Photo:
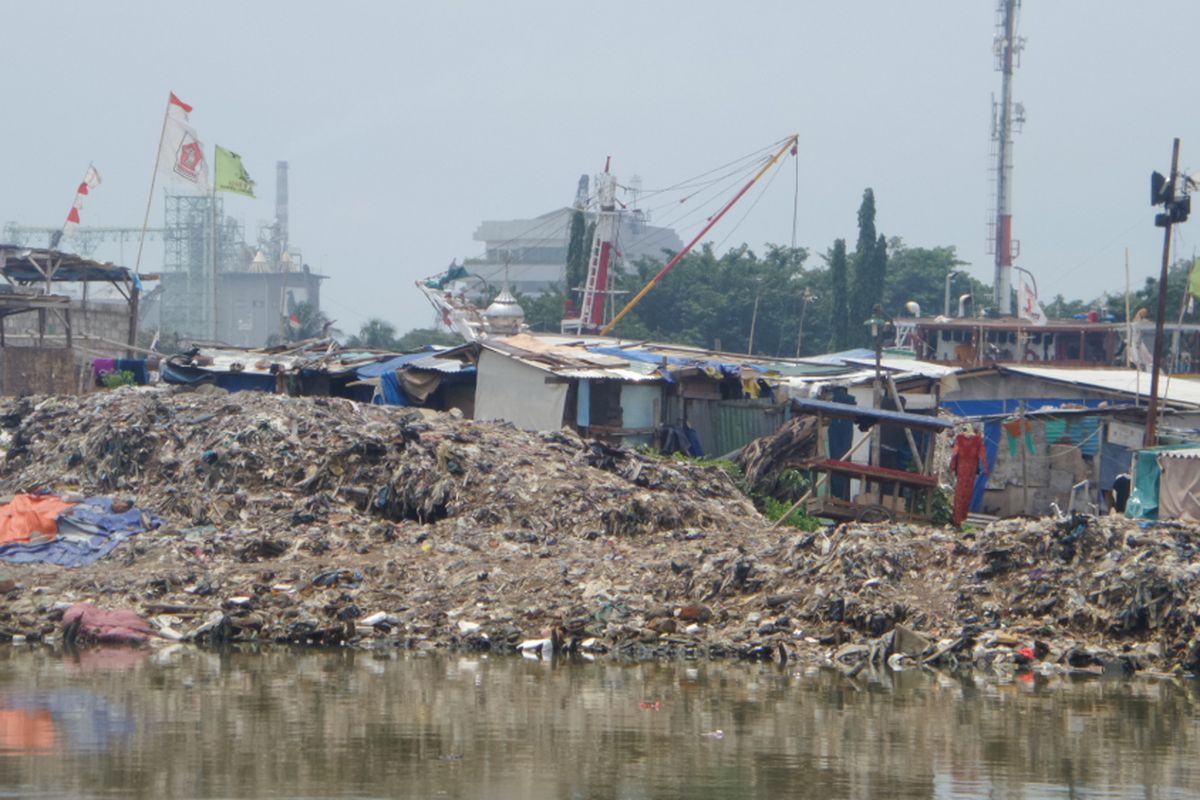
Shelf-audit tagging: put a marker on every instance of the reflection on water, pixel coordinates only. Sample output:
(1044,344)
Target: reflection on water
(188,723)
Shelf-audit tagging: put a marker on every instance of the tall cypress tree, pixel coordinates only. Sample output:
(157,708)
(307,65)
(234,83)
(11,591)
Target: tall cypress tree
(878,272)
(839,315)
(862,291)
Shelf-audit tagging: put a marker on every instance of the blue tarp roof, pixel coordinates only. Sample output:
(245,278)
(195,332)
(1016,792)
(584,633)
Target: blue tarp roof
(875,415)
(391,365)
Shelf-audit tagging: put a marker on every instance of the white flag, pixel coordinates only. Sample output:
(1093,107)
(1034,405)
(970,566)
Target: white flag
(1028,306)
(182,154)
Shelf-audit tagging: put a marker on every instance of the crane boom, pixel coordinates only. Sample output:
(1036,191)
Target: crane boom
(790,144)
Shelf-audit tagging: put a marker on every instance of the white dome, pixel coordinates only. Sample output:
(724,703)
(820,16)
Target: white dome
(504,315)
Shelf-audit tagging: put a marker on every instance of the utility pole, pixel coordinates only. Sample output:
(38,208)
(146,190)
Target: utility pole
(1162,191)
(754,315)
(805,299)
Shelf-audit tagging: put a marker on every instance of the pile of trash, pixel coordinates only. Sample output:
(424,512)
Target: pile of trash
(323,521)
(200,458)
(1093,593)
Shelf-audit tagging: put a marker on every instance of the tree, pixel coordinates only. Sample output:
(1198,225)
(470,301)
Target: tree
(863,295)
(1147,296)
(375,334)
(840,311)
(308,322)
(419,338)
(919,274)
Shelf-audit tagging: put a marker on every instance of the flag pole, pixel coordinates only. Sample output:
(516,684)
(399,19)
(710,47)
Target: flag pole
(153,176)
(214,246)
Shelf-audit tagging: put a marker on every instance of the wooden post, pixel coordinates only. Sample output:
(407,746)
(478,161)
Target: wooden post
(817,484)
(1024,462)
(912,443)
(133,319)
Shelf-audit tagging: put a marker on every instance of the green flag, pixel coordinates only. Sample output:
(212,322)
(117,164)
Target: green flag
(1194,280)
(231,175)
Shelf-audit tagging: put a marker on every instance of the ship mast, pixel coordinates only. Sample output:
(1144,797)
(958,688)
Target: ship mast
(595,287)
(1006,118)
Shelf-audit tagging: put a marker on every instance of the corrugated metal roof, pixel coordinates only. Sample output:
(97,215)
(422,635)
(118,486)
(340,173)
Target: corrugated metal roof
(1125,381)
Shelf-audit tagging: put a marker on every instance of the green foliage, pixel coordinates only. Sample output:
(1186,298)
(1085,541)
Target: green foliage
(544,312)
(374,334)
(775,509)
(313,324)
(707,298)
(919,274)
(417,338)
(1147,296)
(791,485)
(866,286)
(114,379)
(839,280)
(578,249)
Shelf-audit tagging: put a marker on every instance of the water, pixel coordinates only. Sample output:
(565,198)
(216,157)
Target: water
(293,724)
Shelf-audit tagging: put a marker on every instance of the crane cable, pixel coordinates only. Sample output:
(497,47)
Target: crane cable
(790,144)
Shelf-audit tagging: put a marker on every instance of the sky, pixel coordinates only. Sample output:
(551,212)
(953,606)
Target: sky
(406,124)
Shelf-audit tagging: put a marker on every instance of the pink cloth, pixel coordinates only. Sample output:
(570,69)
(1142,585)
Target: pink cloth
(103,366)
(117,626)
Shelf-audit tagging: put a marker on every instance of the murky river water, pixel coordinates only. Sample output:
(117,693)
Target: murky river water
(286,724)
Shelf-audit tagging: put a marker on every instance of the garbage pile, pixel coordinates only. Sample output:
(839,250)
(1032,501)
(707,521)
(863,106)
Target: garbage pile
(221,459)
(322,521)
(1080,593)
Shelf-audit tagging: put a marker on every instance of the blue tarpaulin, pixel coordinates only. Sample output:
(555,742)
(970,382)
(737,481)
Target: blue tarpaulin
(86,533)
(379,368)
(393,393)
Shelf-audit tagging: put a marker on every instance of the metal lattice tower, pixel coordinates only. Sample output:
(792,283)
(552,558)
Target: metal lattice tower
(83,240)
(1007,118)
(188,263)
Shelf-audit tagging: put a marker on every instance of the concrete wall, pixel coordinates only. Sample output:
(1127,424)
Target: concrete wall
(1018,387)
(37,370)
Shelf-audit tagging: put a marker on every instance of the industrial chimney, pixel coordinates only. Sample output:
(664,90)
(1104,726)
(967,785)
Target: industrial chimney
(281,209)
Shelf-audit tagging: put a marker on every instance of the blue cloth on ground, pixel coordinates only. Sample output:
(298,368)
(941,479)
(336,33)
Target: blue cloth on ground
(86,533)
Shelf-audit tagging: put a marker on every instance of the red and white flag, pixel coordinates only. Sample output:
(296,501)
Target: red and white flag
(175,102)
(91,179)
(1028,307)
(181,152)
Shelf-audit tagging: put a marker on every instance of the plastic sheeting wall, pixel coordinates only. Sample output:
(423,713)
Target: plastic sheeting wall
(508,390)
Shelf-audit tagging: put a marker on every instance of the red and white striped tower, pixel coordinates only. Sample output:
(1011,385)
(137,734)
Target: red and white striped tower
(595,288)
(1007,48)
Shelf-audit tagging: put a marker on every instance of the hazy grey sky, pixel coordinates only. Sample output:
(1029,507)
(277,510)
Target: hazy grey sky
(406,124)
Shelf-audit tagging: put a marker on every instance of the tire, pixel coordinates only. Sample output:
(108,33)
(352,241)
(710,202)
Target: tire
(874,514)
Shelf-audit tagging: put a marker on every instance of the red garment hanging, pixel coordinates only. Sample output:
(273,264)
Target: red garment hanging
(970,458)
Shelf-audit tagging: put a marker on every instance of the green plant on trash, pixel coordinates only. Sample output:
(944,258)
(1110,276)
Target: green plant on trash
(112,380)
(942,510)
(774,510)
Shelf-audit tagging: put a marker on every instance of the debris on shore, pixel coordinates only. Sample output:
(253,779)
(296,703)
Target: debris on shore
(322,521)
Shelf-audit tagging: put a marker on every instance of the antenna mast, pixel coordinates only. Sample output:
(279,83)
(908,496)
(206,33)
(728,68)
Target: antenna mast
(1006,119)
(595,289)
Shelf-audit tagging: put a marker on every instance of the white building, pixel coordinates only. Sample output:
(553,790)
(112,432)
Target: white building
(535,250)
